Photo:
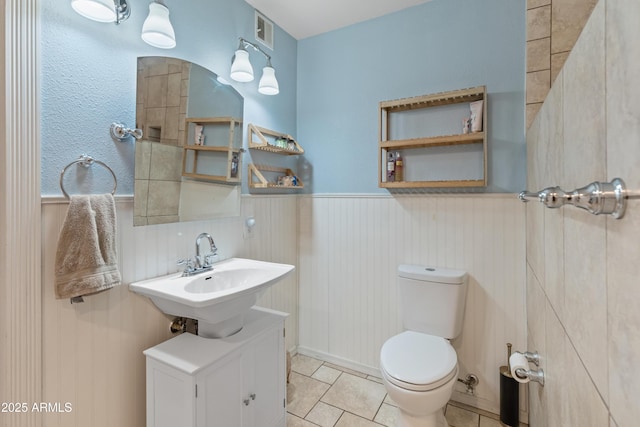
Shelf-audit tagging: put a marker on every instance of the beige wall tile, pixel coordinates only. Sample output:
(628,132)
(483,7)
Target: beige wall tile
(539,54)
(174,87)
(551,135)
(164,198)
(141,191)
(557,62)
(538,23)
(156,91)
(166,162)
(584,100)
(533,140)
(532,112)
(162,219)
(140,116)
(585,296)
(142,159)
(623,90)
(623,270)
(538,84)
(171,123)
(156,66)
(585,292)
(537,3)
(568,19)
(536,303)
(582,405)
(623,152)
(553,363)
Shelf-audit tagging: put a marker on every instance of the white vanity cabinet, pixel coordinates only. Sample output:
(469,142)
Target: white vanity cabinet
(220,382)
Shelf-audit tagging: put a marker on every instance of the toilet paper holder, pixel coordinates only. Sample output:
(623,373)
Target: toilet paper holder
(536,375)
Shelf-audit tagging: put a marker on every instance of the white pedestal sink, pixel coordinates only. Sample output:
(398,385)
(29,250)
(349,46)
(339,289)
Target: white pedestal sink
(218,299)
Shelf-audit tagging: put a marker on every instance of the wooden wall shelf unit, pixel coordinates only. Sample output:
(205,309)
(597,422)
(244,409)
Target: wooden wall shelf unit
(262,182)
(264,144)
(386,144)
(233,154)
(263,139)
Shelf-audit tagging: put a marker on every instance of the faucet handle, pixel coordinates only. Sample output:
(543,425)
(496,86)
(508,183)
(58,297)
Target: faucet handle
(209,259)
(187,262)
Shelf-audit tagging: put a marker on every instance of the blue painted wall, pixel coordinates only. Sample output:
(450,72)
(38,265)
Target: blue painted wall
(439,46)
(89,80)
(330,85)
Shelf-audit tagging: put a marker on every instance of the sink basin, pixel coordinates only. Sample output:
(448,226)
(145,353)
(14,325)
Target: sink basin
(218,299)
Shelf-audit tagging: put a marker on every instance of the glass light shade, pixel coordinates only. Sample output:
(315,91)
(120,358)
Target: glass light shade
(157,30)
(268,83)
(241,70)
(96,10)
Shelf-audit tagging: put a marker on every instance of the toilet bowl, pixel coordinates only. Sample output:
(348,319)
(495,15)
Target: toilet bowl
(419,366)
(419,372)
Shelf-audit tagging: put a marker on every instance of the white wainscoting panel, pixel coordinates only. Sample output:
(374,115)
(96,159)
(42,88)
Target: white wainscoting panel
(350,248)
(92,352)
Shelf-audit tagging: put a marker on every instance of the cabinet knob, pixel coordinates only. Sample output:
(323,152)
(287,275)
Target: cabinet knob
(252,396)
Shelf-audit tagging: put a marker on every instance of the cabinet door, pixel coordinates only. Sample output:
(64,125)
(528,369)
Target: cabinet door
(269,378)
(170,396)
(220,394)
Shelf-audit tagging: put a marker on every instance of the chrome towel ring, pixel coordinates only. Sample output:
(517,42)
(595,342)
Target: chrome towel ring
(87,161)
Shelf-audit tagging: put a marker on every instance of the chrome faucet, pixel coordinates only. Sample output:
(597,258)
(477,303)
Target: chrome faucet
(200,263)
(203,261)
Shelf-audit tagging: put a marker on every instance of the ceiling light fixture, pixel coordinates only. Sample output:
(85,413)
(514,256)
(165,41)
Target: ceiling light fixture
(242,71)
(157,30)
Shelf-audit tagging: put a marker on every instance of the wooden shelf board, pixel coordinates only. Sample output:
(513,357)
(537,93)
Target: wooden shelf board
(217,178)
(435,141)
(213,120)
(209,148)
(442,98)
(434,184)
(274,149)
(271,185)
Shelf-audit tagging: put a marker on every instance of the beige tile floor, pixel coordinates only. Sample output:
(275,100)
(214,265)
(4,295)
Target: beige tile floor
(327,395)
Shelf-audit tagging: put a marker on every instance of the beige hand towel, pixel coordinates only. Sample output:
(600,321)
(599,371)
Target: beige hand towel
(86,258)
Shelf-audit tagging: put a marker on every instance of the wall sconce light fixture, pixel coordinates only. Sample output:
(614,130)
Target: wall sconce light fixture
(157,30)
(242,71)
(102,10)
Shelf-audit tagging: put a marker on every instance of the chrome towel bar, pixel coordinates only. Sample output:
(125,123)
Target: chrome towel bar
(609,198)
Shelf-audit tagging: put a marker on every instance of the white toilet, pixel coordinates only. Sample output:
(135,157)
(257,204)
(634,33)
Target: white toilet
(419,366)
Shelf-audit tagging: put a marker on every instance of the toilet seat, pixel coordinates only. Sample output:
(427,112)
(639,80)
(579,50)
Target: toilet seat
(418,362)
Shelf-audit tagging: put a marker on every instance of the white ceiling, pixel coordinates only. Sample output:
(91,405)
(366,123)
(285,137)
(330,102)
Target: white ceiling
(306,18)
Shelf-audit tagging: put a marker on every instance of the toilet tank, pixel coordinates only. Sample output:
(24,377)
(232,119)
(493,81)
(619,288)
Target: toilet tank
(432,299)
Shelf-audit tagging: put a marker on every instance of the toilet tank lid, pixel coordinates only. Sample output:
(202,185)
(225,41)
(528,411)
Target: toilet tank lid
(432,274)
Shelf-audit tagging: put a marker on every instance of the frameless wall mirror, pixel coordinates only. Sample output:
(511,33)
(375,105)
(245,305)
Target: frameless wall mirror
(191,123)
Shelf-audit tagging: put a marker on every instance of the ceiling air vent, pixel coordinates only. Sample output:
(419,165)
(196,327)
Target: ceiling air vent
(264,30)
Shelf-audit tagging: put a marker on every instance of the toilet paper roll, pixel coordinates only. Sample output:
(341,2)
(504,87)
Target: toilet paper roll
(518,361)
